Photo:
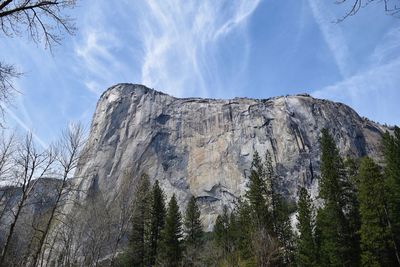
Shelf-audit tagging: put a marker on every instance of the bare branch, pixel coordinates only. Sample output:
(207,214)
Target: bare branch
(391,7)
(7,89)
(42,21)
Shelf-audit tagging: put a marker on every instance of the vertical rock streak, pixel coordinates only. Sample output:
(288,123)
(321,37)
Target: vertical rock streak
(204,147)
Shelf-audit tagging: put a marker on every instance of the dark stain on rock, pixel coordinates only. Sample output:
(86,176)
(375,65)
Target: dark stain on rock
(162,119)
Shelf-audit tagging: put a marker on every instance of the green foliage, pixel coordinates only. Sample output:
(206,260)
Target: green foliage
(157,220)
(337,240)
(283,228)
(269,212)
(258,230)
(352,207)
(232,236)
(257,193)
(332,171)
(170,252)
(221,232)
(193,233)
(139,237)
(328,236)
(375,236)
(280,209)
(242,230)
(192,224)
(123,260)
(306,250)
(391,151)
(359,203)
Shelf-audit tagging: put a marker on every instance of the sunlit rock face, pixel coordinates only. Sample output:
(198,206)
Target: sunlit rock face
(204,147)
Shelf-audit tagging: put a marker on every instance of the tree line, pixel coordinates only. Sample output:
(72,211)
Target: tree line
(36,182)
(358,223)
(355,220)
(160,235)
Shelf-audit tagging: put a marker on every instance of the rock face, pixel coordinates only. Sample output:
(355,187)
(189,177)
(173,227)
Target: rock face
(37,205)
(204,147)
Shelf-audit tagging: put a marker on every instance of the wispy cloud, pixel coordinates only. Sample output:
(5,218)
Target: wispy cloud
(96,53)
(371,90)
(181,42)
(98,44)
(24,126)
(388,49)
(332,34)
(173,44)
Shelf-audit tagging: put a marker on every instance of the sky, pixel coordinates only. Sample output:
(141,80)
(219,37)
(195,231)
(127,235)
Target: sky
(208,48)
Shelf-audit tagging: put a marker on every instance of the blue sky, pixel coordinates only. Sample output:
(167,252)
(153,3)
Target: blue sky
(218,49)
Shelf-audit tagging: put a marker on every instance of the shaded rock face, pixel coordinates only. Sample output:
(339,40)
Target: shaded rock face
(37,206)
(204,147)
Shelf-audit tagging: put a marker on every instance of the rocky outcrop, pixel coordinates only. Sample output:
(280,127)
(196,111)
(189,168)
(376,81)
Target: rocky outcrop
(33,214)
(204,147)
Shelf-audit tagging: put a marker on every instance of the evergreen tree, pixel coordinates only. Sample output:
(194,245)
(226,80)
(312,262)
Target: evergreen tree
(282,228)
(139,237)
(269,214)
(391,151)
(257,194)
(170,252)
(221,232)
(157,220)
(242,230)
(192,223)
(332,171)
(261,222)
(334,235)
(352,207)
(193,233)
(306,250)
(375,236)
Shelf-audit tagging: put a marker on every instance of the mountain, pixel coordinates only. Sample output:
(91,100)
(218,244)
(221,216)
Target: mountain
(204,147)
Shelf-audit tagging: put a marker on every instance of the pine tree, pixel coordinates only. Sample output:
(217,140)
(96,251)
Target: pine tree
(193,233)
(269,214)
(334,235)
(243,230)
(281,224)
(139,237)
(352,207)
(157,220)
(221,232)
(170,252)
(192,224)
(306,250)
(391,151)
(256,194)
(375,236)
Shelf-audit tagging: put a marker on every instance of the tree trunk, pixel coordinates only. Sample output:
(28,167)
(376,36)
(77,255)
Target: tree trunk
(11,232)
(47,228)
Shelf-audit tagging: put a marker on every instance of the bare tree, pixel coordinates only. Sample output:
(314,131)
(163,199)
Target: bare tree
(70,149)
(43,21)
(7,146)
(7,89)
(266,248)
(67,239)
(30,164)
(98,236)
(391,7)
(123,211)
(85,234)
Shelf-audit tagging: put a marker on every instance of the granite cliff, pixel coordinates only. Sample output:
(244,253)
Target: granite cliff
(204,147)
